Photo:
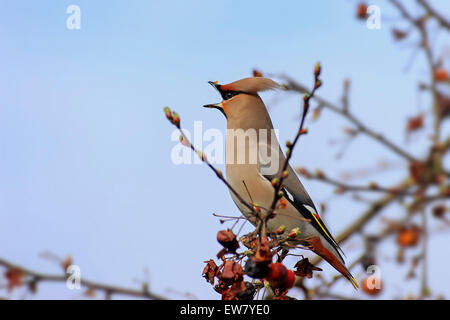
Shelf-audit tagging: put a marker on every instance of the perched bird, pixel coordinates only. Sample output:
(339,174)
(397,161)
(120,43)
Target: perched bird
(250,169)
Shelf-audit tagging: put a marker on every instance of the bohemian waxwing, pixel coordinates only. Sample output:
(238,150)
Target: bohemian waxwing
(250,168)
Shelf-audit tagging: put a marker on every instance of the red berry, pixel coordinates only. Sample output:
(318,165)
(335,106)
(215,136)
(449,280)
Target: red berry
(289,280)
(409,236)
(441,75)
(277,274)
(361,11)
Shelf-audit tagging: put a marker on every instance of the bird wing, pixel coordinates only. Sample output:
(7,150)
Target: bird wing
(296,194)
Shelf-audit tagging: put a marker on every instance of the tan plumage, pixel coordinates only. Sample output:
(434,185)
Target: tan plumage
(247,114)
(252,85)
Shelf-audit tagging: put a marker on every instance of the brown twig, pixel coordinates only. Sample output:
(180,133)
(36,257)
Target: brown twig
(420,25)
(173,117)
(371,187)
(109,290)
(432,12)
(290,146)
(360,126)
(425,291)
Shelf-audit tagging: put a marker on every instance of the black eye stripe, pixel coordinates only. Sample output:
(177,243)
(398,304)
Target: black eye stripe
(226,95)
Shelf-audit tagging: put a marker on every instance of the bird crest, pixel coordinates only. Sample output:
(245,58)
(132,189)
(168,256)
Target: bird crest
(251,85)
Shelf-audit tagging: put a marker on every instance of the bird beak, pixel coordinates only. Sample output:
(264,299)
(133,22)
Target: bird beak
(215,105)
(219,105)
(215,85)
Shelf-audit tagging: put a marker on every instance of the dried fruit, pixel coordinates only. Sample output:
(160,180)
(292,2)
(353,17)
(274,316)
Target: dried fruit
(228,240)
(439,211)
(67,262)
(248,293)
(409,236)
(441,75)
(232,292)
(305,268)
(399,34)
(14,277)
(263,253)
(415,123)
(361,11)
(443,104)
(254,269)
(417,171)
(257,73)
(231,272)
(209,272)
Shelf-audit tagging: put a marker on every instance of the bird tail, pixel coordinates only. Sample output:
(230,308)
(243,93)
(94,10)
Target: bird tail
(317,246)
(339,266)
(352,280)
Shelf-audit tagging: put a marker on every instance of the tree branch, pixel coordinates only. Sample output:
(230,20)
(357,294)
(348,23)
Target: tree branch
(109,290)
(371,187)
(292,85)
(432,12)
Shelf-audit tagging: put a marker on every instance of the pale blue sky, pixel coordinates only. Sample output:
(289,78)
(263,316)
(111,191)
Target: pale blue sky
(85,149)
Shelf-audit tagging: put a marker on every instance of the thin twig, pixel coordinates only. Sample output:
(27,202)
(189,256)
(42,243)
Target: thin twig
(290,147)
(372,187)
(174,119)
(295,86)
(108,289)
(432,12)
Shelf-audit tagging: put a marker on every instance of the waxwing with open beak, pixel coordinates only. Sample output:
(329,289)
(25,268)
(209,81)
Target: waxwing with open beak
(252,163)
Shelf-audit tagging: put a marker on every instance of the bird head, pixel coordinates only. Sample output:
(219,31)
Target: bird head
(237,95)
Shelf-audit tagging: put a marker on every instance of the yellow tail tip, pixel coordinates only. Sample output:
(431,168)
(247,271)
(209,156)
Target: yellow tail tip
(354,283)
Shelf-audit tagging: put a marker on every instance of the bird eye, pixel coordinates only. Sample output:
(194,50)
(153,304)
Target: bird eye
(226,95)
(229,95)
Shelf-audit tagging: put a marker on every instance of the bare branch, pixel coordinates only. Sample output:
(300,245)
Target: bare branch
(295,86)
(432,12)
(371,187)
(109,290)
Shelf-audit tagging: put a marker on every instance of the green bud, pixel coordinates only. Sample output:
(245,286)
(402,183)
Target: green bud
(168,113)
(317,69)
